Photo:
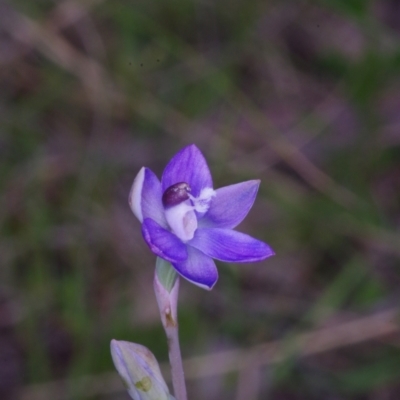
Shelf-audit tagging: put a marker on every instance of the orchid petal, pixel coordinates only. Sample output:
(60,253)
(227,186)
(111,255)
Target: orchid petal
(198,269)
(230,205)
(190,166)
(135,195)
(145,197)
(163,243)
(228,245)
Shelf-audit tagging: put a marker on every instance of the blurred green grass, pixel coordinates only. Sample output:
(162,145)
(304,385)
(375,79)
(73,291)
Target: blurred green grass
(303,95)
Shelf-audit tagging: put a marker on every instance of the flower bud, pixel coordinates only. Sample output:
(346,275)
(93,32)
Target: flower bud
(139,371)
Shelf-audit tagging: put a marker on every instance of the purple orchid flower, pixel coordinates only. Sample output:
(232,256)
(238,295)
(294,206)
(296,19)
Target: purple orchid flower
(188,223)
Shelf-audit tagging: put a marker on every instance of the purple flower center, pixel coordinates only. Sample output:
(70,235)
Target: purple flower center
(176,194)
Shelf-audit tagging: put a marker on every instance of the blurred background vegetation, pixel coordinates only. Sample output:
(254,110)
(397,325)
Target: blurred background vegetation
(304,95)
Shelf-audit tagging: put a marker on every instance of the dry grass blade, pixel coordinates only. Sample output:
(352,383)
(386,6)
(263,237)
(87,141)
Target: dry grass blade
(29,33)
(307,344)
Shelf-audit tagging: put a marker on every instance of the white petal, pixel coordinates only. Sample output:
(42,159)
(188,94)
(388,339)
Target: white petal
(135,195)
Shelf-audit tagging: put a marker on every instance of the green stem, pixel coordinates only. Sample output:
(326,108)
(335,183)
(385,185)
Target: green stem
(166,287)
